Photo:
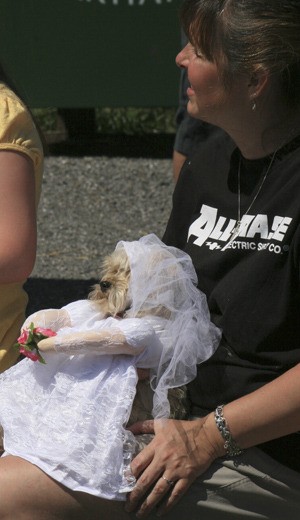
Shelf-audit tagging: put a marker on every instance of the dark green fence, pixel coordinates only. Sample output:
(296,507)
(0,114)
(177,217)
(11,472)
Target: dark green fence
(89,53)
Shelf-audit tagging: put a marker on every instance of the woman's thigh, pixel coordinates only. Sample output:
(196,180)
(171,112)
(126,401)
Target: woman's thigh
(254,487)
(257,488)
(27,493)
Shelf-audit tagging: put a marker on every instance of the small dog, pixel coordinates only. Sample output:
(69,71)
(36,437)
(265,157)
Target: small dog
(112,295)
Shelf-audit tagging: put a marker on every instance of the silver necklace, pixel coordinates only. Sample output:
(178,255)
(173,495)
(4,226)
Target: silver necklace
(237,227)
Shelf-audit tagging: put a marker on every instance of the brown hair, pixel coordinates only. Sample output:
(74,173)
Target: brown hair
(241,35)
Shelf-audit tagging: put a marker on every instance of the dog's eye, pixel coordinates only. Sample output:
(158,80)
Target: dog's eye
(105,285)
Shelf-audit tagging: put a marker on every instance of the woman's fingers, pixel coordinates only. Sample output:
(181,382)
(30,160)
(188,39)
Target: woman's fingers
(141,427)
(168,466)
(179,489)
(163,496)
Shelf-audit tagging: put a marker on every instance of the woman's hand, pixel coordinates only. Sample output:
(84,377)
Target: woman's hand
(183,450)
(178,454)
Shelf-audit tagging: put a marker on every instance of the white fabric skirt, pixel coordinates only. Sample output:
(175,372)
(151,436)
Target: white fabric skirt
(67,417)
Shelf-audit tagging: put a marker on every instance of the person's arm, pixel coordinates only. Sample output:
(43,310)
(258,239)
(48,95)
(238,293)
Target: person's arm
(129,336)
(183,450)
(106,341)
(178,161)
(17,217)
(269,413)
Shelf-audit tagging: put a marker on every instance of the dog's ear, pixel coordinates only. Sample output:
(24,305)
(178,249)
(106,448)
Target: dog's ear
(118,297)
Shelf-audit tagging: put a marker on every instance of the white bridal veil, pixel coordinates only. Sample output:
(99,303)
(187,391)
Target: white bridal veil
(163,282)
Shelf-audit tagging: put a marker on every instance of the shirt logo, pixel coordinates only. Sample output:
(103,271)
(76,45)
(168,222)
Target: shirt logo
(218,230)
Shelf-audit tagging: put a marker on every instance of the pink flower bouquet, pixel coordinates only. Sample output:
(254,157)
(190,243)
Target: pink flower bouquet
(28,340)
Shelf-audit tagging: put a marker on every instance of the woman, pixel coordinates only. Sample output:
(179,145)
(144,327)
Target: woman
(21,163)
(239,221)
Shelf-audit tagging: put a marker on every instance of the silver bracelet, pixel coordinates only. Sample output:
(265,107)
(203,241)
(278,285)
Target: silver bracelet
(230,445)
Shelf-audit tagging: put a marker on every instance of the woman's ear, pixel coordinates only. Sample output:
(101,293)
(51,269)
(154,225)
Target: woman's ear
(258,82)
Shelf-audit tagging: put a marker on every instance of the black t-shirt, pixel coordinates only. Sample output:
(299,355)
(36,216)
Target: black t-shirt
(252,283)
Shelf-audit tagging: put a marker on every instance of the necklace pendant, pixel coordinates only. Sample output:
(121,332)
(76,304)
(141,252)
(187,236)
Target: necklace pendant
(236,229)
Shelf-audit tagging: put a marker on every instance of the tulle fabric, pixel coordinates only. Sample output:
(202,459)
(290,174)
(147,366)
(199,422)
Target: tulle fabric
(163,282)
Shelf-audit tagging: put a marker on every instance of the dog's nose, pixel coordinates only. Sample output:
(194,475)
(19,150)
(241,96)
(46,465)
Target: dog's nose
(104,285)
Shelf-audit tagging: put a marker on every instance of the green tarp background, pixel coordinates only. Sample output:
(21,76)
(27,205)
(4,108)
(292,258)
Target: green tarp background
(85,53)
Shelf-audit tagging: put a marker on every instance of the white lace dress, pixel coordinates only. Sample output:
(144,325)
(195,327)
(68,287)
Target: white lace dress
(67,417)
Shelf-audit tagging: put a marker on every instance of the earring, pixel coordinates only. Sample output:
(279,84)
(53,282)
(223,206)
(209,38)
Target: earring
(253,107)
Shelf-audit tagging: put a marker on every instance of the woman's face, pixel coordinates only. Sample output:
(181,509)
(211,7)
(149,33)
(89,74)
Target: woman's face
(208,100)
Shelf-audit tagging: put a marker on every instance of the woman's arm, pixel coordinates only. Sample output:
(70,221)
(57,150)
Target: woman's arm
(17,217)
(183,450)
(268,413)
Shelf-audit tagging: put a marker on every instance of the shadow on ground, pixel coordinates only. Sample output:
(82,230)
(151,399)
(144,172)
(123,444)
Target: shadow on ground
(51,293)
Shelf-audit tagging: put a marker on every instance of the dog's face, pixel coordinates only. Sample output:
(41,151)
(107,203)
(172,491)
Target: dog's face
(112,291)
